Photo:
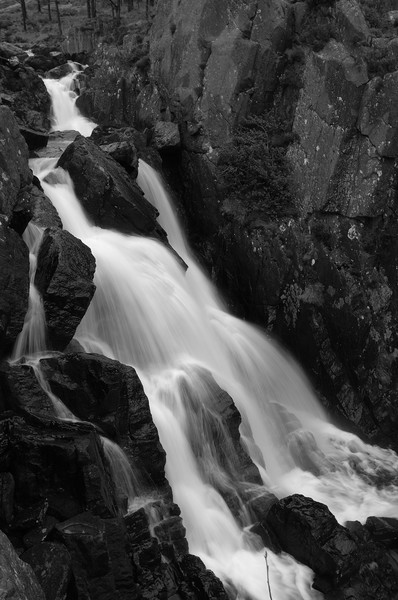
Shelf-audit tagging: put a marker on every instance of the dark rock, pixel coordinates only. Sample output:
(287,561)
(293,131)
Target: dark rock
(7,486)
(107,193)
(345,561)
(171,531)
(104,391)
(64,277)
(308,530)
(34,138)
(22,390)
(18,579)
(51,563)
(59,72)
(8,50)
(14,282)
(39,534)
(43,213)
(100,563)
(41,62)
(61,462)
(166,136)
(13,161)
(125,154)
(202,580)
(28,95)
(31,517)
(383,530)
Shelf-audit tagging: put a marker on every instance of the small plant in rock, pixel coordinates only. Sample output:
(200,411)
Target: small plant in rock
(255,172)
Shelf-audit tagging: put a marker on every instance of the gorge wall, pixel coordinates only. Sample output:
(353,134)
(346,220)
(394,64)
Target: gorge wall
(313,260)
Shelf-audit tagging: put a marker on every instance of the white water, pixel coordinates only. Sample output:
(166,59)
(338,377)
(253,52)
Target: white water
(171,326)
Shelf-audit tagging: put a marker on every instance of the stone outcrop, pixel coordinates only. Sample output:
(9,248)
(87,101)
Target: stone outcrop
(13,162)
(111,198)
(111,395)
(18,581)
(64,277)
(14,281)
(343,558)
(22,90)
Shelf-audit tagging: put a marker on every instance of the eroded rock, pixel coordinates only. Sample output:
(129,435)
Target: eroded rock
(64,277)
(109,196)
(18,581)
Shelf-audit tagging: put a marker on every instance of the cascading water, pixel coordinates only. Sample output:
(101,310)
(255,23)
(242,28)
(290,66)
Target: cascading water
(171,326)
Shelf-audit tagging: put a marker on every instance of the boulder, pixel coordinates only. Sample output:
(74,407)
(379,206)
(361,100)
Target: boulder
(125,154)
(166,136)
(22,390)
(17,579)
(15,172)
(109,196)
(27,96)
(59,72)
(110,394)
(14,282)
(61,462)
(64,277)
(34,138)
(51,563)
(344,560)
(100,563)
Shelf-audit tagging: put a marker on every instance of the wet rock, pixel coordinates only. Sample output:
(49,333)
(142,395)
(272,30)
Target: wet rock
(18,581)
(166,136)
(8,50)
(201,579)
(125,154)
(14,281)
(61,462)
(59,72)
(100,564)
(64,277)
(344,560)
(171,531)
(31,516)
(51,563)
(110,394)
(43,213)
(34,138)
(107,193)
(15,173)
(22,390)
(27,95)
(383,530)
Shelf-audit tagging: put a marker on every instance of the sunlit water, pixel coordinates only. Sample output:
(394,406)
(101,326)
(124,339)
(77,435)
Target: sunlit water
(172,327)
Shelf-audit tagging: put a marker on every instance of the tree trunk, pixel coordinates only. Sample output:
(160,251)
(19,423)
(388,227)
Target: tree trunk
(89,9)
(39,6)
(24,14)
(58,17)
(93,8)
(49,10)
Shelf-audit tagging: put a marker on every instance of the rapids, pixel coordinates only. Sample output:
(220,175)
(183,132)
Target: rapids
(173,328)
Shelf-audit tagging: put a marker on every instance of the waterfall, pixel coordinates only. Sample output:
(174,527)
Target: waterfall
(171,326)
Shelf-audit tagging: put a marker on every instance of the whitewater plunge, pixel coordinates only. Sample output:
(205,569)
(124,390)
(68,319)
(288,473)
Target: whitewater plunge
(171,326)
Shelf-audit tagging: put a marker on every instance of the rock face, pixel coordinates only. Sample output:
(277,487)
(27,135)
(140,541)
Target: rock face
(64,277)
(97,176)
(111,395)
(346,559)
(24,92)
(14,279)
(18,581)
(13,162)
